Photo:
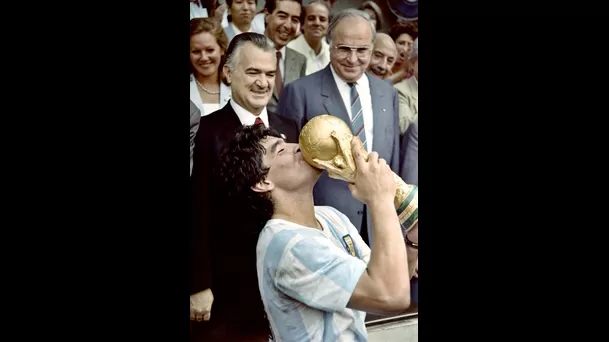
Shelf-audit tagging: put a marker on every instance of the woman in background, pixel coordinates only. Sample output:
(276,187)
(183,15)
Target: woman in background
(408,93)
(208,44)
(403,34)
(376,15)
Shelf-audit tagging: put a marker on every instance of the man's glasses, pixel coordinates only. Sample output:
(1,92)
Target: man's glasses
(343,51)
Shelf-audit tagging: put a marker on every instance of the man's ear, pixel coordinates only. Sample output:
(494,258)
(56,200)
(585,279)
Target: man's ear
(263,186)
(227,74)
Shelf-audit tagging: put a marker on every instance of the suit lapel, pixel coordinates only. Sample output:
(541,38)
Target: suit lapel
(194,94)
(278,125)
(333,101)
(292,67)
(285,127)
(229,125)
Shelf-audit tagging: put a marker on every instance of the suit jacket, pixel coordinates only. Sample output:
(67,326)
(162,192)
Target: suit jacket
(222,244)
(317,94)
(295,68)
(409,164)
(195,96)
(195,116)
(408,91)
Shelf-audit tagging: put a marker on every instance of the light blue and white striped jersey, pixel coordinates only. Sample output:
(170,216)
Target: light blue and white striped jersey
(306,277)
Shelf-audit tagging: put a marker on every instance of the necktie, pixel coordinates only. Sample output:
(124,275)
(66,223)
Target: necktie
(278,78)
(258,122)
(357,116)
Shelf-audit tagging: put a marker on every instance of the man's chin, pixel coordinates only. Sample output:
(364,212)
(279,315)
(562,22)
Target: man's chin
(260,99)
(378,74)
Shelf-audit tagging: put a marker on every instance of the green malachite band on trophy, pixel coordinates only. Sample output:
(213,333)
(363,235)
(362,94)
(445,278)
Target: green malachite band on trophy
(408,199)
(411,220)
(408,217)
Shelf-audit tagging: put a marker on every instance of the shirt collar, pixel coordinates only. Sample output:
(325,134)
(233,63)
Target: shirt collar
(362,81)
(282,50)
(247,118)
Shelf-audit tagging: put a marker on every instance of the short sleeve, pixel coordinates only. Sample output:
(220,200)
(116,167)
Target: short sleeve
(317,273)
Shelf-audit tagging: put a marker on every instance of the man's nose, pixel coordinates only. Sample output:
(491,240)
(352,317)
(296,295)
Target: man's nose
(383,64)
(263,81)
(352,56)
(291,25)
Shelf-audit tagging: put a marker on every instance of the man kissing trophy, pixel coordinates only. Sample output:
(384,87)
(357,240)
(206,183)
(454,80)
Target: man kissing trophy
(325,142)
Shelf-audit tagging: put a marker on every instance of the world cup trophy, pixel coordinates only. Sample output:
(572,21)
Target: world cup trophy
(325,142)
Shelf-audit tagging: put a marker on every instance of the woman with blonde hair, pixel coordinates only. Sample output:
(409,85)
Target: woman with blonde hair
(208,44)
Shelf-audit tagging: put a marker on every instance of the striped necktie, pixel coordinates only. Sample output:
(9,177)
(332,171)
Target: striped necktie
(357,116)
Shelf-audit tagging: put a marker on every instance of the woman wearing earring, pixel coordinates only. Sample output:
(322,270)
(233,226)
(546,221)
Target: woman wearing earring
(208,45)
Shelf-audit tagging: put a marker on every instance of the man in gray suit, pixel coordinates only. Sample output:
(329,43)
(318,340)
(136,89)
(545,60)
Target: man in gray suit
(409,161)
(195,116)
(366,103)
(282,20)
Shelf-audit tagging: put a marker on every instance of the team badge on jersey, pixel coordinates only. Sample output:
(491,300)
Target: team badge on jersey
(349,245)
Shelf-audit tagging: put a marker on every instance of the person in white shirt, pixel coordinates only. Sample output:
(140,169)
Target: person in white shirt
(316,275)
(208,45)
(240,16)
(206,8)
(312,43)
(197,9)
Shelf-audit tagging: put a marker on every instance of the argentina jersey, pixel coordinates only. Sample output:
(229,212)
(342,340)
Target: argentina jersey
(306,277)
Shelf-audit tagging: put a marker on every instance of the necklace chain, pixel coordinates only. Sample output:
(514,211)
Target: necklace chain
(205,89)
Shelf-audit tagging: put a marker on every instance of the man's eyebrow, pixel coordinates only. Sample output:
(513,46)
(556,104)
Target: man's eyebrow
(274,147)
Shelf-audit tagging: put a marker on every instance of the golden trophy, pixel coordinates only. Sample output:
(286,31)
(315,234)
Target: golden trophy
(325,142)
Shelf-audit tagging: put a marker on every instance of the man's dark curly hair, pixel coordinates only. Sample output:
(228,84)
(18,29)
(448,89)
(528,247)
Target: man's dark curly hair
(411,28)
(241,167)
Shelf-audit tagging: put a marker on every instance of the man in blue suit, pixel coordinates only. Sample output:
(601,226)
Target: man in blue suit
(344,89)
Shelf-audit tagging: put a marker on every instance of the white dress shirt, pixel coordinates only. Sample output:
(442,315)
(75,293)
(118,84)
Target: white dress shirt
(197,12)
(314,62)
(208,108)
(247,118)
(257,24)
(363,88)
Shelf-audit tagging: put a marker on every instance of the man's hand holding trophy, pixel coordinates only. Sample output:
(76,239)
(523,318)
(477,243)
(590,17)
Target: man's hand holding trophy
(325,142)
